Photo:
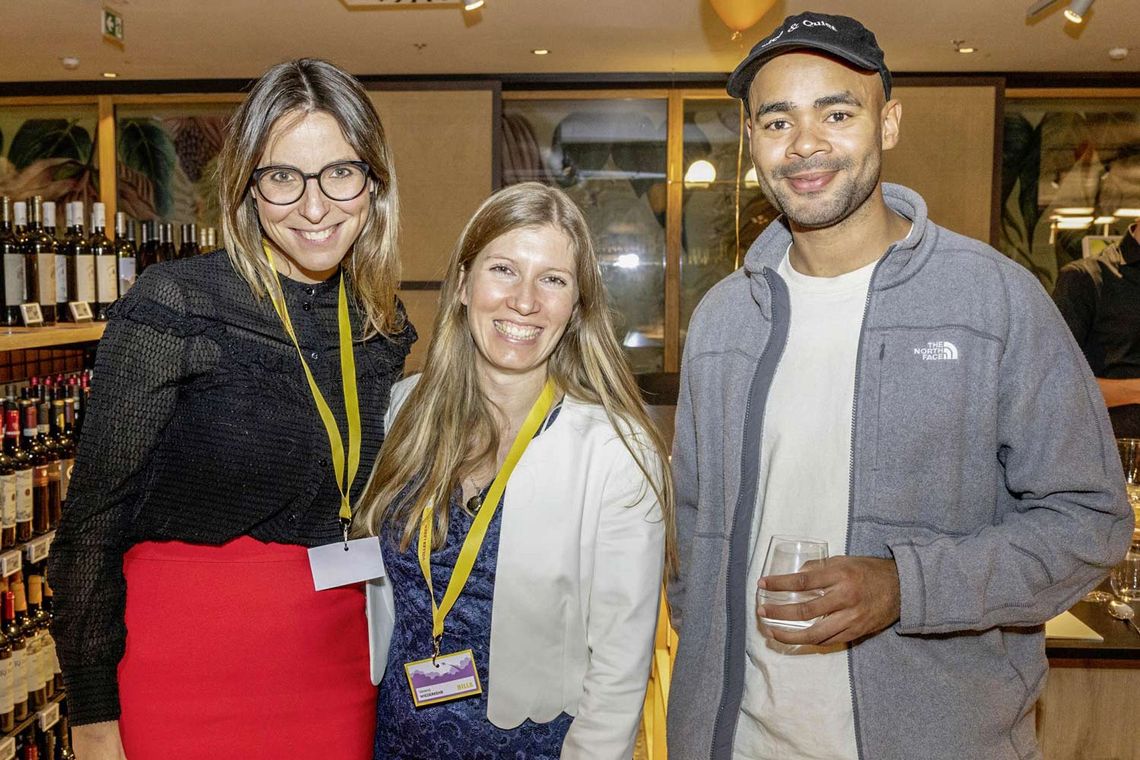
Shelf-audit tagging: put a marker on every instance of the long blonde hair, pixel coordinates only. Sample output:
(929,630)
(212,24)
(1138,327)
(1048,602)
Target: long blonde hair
(293,89)
(449,430)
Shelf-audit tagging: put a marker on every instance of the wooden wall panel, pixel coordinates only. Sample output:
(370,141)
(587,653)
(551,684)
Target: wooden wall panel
(421,306)
(442,146)
(946,153)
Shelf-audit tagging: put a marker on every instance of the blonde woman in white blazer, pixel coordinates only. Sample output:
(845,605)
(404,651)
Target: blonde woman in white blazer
(557,605)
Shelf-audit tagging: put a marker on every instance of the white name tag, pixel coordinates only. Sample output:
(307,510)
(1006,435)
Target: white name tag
(340,563)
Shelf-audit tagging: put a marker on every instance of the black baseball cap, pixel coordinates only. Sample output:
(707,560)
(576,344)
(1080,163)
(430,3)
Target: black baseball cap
(839,36)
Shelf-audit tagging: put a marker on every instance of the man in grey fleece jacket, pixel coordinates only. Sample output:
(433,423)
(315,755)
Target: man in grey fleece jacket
(984,491)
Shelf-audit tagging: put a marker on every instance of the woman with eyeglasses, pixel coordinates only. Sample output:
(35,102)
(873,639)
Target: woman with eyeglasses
(235,395)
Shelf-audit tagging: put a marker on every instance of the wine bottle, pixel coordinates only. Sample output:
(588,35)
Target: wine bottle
(63,252)
(36,696)
(8,487)
(49,608)
(15,284)
(65,444)
(48,443)
(49,219)
(148,246)
(38,621)
(125,251)
(7,686)
(23,463)
(65,752)
(41,489)
(20,219)
(15,636)
(106,264)
(166,250)
(39,261)
(189,241)
(81,265)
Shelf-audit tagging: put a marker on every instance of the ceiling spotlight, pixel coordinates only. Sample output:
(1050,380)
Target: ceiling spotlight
(473,5)
(540,51)
(69,62)
(109,75)
(1077,10)
(1118,53)
(962,47)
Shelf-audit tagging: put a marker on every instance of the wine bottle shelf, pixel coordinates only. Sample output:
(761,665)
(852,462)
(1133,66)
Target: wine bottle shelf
(17,338)
(45,718)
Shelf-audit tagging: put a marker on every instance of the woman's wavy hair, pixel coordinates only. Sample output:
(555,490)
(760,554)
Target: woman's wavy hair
(449,431)
(291,90)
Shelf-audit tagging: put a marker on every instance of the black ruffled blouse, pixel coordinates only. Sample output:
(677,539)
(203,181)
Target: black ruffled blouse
(201,429)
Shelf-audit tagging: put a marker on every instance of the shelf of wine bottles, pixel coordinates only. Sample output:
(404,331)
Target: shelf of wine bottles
(47,278)
(40,427)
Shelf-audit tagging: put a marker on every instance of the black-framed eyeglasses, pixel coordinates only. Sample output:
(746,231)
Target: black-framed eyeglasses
(339,181)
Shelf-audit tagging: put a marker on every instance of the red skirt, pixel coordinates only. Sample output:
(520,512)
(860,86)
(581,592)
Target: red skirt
(231,653)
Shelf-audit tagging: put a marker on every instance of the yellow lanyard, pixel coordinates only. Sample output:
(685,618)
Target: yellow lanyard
(351,398)
(474,540)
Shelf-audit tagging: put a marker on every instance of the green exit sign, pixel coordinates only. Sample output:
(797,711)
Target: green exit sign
(112,25)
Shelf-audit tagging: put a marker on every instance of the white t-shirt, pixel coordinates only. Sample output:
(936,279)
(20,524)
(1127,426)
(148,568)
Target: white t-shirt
(797,700)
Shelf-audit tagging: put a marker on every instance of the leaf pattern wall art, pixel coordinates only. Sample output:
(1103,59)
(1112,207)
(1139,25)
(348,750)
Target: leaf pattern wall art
(49,151)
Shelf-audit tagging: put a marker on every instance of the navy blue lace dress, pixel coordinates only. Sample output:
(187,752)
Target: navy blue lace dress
(456,730)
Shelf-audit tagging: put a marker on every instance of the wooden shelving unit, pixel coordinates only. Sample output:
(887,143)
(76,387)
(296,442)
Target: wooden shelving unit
(18,338)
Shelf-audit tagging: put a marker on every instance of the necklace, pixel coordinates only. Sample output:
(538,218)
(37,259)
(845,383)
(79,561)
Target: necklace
(476,501)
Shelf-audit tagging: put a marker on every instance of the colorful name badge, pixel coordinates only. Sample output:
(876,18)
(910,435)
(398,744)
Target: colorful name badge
(346,562)
(450,676)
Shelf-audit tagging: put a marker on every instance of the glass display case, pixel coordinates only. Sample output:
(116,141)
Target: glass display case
(1070,178)
(609,155)
(722,208)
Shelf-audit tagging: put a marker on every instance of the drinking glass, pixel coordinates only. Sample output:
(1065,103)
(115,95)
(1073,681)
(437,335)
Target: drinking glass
(788,554)
(1125,577)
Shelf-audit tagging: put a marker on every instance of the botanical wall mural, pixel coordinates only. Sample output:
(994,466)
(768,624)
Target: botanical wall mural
(167,158)
(49,151)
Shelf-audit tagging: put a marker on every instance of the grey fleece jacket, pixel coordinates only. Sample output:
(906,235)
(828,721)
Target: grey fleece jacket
(982,462)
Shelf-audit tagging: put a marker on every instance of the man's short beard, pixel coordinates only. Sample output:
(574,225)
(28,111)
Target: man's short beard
(821,214)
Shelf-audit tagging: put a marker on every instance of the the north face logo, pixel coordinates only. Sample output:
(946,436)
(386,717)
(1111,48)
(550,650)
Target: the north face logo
(938,351)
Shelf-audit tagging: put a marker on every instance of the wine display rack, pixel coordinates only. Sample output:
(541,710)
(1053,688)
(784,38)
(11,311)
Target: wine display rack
(45,718)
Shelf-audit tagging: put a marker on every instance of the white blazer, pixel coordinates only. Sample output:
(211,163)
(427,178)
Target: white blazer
(577,584)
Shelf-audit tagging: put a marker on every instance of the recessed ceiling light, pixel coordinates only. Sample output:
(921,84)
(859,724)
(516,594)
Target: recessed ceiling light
(70,62)
(109,74)
(473,5)
(540,51)
(1118,53)
(967,50)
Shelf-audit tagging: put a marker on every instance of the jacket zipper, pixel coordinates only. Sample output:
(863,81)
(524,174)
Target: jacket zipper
(720,713)
(851,486)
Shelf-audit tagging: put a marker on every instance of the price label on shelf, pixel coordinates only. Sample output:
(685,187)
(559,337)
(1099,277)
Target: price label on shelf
(10,562)
(8,748)
(37,549)
(48,716)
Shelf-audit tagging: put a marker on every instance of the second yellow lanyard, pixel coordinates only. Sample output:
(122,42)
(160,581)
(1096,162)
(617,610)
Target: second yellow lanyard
(474,540)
